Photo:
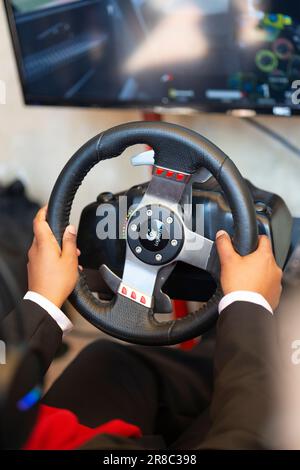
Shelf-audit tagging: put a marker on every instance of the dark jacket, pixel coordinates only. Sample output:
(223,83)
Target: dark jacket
(245,372)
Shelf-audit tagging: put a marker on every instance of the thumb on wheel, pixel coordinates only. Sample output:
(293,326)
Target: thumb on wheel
(69,246)
(224,246)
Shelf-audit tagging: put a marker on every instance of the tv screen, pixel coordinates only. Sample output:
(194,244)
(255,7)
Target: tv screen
(213,55)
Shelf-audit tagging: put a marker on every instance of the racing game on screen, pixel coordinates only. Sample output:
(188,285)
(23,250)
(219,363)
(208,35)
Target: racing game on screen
(217,53)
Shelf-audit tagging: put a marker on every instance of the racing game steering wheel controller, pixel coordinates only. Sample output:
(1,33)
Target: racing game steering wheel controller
(190,175)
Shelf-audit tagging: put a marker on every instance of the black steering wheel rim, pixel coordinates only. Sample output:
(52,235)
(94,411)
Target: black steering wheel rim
(175,148)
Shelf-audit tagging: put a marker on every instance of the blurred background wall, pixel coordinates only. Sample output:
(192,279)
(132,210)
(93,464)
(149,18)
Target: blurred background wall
(35,143)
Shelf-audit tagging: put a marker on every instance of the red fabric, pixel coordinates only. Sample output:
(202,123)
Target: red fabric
(59,429)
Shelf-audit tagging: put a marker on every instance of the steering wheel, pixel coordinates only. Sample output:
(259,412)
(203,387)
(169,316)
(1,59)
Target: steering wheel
(157,234)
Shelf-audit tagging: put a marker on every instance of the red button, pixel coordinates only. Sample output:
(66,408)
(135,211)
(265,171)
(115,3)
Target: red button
(143,300)
(124,290)
(133,295)
(159,171)
(169,174)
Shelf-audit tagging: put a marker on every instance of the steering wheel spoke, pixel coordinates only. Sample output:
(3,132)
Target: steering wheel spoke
(166,187)
(197,250)
(138,281)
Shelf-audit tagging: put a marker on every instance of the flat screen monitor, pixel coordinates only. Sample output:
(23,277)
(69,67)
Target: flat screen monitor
(211,55)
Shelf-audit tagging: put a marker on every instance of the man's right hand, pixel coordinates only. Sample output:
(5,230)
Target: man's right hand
(257,272)
(52,271)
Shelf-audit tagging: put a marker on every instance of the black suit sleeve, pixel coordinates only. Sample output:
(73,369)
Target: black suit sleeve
(40,332)
(245,371)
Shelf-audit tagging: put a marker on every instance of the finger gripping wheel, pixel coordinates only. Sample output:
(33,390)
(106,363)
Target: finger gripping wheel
(157,236)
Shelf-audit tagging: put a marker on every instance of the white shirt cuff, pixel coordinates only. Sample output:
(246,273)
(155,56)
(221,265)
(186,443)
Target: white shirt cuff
(57,315)
(244,296)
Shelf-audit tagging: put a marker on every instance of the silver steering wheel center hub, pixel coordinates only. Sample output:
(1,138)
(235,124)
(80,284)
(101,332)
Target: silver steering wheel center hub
(155,234)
